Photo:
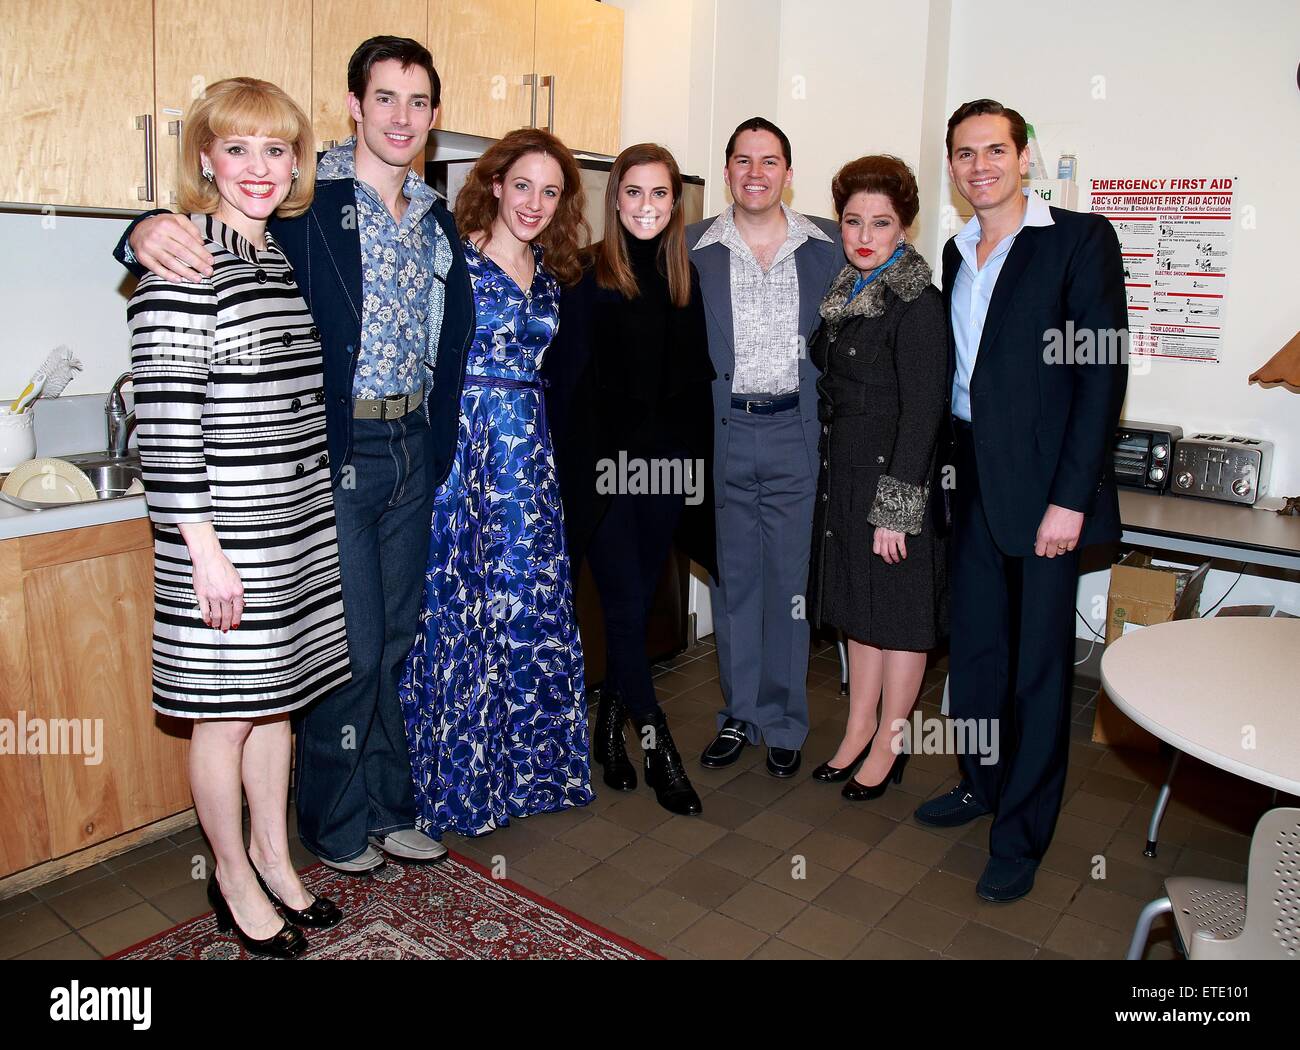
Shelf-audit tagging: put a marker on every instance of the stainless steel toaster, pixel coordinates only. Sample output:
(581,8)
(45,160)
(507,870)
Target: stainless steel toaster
(1222,466)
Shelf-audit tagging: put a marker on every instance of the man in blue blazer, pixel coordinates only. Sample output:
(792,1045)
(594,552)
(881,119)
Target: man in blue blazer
(380,264)
(764,269)
(1038,364)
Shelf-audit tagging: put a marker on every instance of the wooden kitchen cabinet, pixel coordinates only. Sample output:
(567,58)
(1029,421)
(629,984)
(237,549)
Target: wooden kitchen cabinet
(338,26)
(580,48)
(83,599)
(483,51)
(199,42)
(94,92)
(76,77)
(506,63)
(24,834)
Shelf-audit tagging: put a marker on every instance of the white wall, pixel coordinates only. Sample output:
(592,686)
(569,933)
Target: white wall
(1196,89)
(851,82)
(58,284)
(657,89)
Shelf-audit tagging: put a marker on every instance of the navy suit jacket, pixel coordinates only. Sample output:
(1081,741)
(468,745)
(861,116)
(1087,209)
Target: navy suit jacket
(1044,428)
(817,263)
(324,248)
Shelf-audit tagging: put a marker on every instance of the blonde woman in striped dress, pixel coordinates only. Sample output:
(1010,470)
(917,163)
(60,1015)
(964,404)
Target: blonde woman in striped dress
(231,426)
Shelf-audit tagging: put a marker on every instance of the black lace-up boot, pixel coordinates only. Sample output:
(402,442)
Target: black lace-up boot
(607,748)
(663,766)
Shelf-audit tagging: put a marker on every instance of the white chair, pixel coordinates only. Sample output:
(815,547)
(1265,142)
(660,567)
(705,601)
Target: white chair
(1226,920)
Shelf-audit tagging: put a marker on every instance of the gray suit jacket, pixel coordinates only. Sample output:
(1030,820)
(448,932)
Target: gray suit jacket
(817,263)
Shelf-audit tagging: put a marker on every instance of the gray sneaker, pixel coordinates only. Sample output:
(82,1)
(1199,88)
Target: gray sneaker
(410,844)
(368,860)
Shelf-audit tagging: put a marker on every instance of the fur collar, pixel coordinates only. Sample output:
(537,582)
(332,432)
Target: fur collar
(907,279)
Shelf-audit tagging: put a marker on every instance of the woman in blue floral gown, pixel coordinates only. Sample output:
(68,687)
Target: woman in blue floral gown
(492,693)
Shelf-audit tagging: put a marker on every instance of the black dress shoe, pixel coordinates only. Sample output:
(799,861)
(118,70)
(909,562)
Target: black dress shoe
(1006,880)
(607,746)
(664,771)
(828,774)
(726,746)
(856,791)
(959,806)
(287,942)
(783,761)
(321,914)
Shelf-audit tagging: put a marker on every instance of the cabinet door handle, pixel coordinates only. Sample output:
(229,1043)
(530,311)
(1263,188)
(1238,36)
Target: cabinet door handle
(175,127)
(529,80)
(548,82)
(144,123)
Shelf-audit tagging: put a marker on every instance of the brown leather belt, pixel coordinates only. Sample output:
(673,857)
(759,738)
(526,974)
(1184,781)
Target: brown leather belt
(387,407)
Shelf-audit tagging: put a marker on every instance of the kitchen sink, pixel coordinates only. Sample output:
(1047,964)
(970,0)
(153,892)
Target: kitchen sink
(111,475)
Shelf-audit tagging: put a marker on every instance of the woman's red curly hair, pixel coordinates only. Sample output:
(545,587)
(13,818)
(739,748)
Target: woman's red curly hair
(567,232)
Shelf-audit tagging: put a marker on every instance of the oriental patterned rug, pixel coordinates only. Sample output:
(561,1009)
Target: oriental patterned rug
(453,909)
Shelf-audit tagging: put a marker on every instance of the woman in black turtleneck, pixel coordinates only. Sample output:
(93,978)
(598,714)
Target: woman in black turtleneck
(631,416)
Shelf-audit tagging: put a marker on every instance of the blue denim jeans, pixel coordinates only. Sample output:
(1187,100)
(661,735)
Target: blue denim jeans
(353,766)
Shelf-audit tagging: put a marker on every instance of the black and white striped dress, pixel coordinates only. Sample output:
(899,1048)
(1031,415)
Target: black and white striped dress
(230,420)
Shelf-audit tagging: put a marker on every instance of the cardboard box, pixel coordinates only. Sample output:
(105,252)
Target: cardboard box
(1143,591)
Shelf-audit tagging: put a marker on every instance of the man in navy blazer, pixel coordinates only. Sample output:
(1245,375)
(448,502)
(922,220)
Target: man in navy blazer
(1038,364)
(391,431)
(764,269)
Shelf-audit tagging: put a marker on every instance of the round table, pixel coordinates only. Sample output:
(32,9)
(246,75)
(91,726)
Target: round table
(1225,690)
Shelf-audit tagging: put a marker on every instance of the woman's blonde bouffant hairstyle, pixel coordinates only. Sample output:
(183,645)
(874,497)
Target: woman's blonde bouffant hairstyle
(244,106)
(568,230)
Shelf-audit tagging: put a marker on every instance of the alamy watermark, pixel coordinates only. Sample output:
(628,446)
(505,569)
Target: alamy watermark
(651,477)
(1091,346)
(53,736)
(948,736)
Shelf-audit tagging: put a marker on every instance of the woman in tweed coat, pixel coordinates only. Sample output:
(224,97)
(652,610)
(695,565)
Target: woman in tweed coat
(248,622)
(879,569)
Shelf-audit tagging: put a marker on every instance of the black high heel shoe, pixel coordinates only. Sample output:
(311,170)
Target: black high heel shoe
(828,774)
(321,914)
(287,943)
(858,792)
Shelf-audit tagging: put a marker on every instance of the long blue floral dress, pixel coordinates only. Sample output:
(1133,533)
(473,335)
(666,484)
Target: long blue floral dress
(492,693)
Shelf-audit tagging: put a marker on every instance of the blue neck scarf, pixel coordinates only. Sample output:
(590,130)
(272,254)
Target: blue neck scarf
(864,280)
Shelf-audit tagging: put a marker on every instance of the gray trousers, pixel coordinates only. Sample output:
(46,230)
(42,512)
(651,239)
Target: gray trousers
(759,616)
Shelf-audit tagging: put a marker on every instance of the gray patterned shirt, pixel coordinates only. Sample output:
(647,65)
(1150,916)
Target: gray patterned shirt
(404,269)
(764,305)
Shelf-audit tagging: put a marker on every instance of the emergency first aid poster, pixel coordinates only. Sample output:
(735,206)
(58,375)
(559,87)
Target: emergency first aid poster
(1176,237)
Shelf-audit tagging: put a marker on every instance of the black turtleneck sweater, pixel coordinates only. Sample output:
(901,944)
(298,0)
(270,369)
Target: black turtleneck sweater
(632,376)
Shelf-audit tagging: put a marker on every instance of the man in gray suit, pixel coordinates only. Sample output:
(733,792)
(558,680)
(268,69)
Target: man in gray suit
(763,271)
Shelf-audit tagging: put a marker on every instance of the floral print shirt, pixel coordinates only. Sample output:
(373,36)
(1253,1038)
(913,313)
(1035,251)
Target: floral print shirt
(404,267)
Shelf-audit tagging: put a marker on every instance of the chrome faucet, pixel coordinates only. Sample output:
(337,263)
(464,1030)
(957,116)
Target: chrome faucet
(120,421)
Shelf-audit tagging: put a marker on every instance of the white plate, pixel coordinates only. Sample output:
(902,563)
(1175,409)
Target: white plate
(49,481)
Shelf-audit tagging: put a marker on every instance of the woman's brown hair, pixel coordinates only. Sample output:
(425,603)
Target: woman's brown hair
(613,270)
(883,174)
(568,230)
(244,106)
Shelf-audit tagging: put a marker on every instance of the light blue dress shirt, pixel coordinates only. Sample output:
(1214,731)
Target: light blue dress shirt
(973,289)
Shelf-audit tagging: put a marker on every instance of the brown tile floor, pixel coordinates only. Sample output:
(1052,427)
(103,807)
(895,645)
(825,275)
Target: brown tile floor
(773,869)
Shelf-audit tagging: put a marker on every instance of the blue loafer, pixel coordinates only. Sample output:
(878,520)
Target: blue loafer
(959,806)
(1005,880)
